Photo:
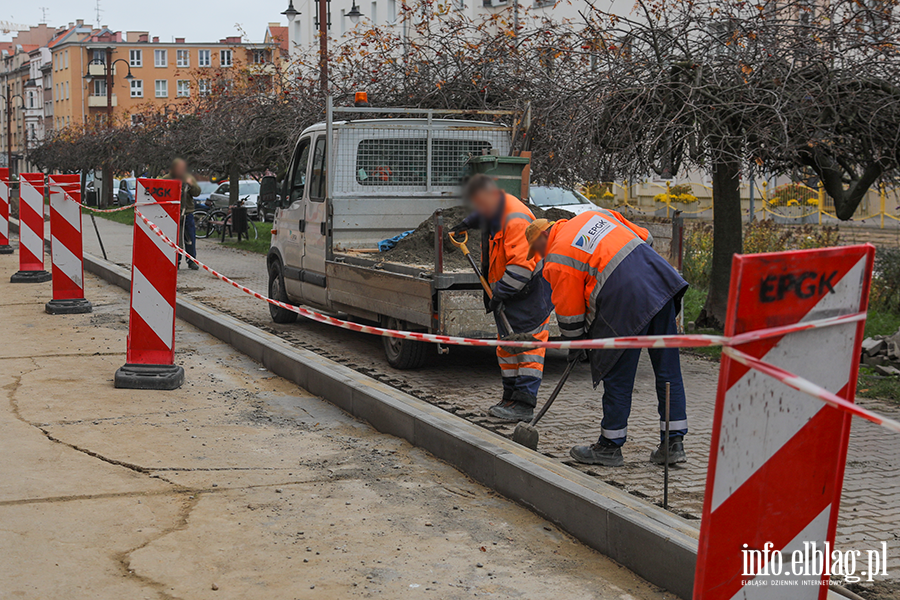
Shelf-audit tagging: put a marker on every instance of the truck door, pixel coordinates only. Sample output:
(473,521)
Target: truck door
(292,219)
(315,238)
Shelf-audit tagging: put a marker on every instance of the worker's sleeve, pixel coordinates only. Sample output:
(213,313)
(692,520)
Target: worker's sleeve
(194,189)
(642,233)
(519,270)
(568,300)
(472,221)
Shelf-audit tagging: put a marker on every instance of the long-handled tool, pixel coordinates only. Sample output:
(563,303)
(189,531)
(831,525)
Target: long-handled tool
(487,288)
(527,434)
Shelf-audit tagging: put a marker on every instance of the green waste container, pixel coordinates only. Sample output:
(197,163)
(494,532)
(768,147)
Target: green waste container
(505,170)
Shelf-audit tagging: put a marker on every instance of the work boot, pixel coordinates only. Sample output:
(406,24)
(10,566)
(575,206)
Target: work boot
(676,451)
(512,411)
(193,266)
(607,455)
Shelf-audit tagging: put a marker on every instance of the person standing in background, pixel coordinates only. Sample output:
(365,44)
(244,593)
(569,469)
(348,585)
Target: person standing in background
(189,190)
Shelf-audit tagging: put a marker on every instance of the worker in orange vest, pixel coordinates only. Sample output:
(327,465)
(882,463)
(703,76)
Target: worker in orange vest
(608,282)
(517,289)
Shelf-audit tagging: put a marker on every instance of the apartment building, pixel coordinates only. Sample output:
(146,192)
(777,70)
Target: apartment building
(344,15)
(144,69)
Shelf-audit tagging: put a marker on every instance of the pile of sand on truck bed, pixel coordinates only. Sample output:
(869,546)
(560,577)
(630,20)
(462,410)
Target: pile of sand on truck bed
(418,247)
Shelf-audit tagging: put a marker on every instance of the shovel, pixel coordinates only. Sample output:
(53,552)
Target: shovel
(527,434)
(510,336)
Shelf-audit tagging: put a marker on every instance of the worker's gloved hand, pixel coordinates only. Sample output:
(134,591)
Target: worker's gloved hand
(494,305)
(577,355)
(459,228)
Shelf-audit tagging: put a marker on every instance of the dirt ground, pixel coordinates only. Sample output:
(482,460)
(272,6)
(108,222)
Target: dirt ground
(238,485)
(418,247)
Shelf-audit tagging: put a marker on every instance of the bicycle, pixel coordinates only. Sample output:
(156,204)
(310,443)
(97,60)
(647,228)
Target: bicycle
(219,221)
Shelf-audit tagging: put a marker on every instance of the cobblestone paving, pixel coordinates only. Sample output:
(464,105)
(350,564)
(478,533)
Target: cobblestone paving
(466,382)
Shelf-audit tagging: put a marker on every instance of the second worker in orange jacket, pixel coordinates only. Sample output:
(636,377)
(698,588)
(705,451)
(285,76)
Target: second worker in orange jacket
(518,290)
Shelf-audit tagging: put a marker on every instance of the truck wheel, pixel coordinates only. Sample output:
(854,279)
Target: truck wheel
(277,292)
(402,354)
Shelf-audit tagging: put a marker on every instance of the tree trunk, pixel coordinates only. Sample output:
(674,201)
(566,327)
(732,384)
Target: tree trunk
(234,177)
(727,241)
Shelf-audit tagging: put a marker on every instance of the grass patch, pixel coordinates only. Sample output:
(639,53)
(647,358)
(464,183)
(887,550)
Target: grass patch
(880,322)
(693,301)
(872,385)
(259,245)
(126,217)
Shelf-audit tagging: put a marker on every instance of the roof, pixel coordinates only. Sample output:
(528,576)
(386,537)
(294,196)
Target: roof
(279,35)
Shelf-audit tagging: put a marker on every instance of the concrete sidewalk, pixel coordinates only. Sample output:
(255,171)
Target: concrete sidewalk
(238,485)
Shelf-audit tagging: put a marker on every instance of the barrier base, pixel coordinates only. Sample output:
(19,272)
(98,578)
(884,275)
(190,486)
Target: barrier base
(149,377)
(31,277)
(74,306)
(7,249)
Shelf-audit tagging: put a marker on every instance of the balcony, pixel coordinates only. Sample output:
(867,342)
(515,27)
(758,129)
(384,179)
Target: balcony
(100,101)
(99,70)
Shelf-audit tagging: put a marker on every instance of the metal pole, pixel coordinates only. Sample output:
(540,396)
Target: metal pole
(439,241)
(752,207)
(9,131)
(108,177)
(323,45)
(97,231)
(666,453)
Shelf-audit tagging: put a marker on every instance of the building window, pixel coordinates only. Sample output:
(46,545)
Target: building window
(66,59)
(260,57)
(203,58)
(136,58)
(98,56)
(203,87)
(225,58)
(183,58)
(183,88)
(160,58)
(374,13)
(162,88)
(137,121)
(99,87)
(392,11)
(67,90)
(137,88)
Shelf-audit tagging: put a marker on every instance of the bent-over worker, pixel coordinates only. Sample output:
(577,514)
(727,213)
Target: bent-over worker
(518,290)
(608,282)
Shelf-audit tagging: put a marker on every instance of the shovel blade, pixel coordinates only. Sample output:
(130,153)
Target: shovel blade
(526,435)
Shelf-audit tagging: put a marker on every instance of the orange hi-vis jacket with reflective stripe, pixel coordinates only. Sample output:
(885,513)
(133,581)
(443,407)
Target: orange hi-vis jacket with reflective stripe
(606,280)
(509,249)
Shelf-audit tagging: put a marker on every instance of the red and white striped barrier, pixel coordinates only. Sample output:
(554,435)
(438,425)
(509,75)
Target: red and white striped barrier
(66,250)
(777,461)
(31,230)
(5,248)
(150,362)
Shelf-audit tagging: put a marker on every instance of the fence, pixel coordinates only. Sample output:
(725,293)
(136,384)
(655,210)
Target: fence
(789,203)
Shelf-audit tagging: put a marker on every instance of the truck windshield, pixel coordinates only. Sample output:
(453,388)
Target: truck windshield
(403,162)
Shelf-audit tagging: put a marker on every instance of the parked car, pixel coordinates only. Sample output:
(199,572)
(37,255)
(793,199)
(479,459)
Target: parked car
(125,193)
(201,202)
(556,197)
(248,191)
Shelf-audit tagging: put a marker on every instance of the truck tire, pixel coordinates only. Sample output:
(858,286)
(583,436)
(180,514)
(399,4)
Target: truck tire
(402,354)
(277,292)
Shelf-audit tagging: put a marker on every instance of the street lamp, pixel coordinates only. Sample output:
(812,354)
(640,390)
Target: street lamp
(7,98)
(108,66)
(354,13)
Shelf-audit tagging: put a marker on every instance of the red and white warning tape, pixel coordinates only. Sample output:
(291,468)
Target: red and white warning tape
(646,341)
(126,207)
